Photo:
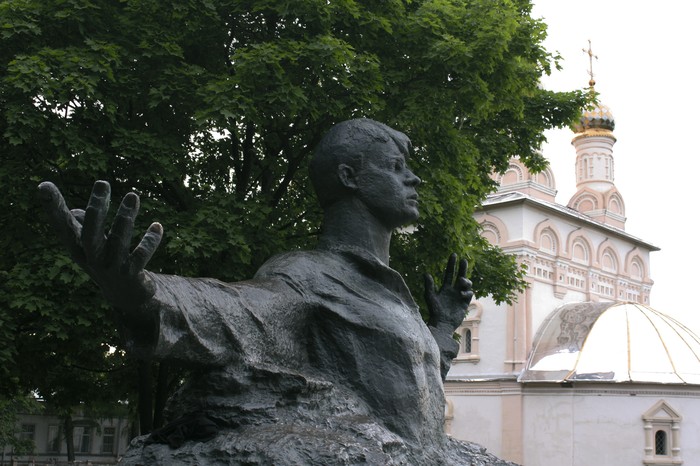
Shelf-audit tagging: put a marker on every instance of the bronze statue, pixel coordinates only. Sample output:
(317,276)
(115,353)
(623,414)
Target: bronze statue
(322,357)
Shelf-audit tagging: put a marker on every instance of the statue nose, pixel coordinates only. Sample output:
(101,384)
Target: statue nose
(413,180)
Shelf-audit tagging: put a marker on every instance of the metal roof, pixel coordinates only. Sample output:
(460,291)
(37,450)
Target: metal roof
(613,342)
(505,198)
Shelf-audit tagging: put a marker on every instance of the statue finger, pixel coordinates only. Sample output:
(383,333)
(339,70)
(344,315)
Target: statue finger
(61,218)
(79,215)
(449,270)
(119,238)
(467,296)
(429,284)
(463,284)
(146,248)
(93,236)
(462,270)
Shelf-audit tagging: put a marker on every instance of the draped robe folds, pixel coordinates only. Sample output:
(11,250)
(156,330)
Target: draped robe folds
(321,358)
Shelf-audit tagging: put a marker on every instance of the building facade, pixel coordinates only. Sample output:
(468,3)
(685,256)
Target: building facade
(546,410)
(96,441)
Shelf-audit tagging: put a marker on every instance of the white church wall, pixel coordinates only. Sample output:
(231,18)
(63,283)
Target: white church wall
(512,216)
(602,425)
(543,302)
(477,418)
(607,430)
(547,435)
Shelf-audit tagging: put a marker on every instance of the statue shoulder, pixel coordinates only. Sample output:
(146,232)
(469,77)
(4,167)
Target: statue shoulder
(300,264)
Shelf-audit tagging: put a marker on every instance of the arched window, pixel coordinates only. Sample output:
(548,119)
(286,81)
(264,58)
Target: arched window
(469,335)
(467,338)
(660,444)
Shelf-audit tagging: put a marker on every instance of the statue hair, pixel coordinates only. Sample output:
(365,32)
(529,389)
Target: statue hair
(350,142)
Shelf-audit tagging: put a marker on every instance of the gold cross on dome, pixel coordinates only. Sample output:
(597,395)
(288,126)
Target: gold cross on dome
(590,63)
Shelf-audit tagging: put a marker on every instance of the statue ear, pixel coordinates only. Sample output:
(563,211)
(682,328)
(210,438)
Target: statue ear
(347,176)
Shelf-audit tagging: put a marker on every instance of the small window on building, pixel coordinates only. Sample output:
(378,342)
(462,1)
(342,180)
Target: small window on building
(53,444)
(662,435)
(467,341)
(469,335)
(660,447)
(82,437)
(26,435)
(27,432)
(108,439)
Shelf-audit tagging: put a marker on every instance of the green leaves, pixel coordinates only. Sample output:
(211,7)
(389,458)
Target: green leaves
(210,111)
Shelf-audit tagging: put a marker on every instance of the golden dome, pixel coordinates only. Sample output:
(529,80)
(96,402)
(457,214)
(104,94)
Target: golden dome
(598,118)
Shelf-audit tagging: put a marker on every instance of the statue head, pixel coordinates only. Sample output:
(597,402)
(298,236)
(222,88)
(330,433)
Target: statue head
(350,143)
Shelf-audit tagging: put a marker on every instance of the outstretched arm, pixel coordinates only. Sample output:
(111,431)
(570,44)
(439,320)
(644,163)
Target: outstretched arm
(106,258)
(447,308)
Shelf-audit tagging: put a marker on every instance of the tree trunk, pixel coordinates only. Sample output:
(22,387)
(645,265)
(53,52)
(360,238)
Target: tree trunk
(145,396)
(161,394)
(68,429)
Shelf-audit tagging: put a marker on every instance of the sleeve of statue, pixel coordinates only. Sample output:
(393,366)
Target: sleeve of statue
(204,321)
(448,348)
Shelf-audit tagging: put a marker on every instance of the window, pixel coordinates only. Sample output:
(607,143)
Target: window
(467,340)
(662,435)
(53,444)
(469,335)
(27,432)
(108,437)
(82,436)
(660,447)
(26,435)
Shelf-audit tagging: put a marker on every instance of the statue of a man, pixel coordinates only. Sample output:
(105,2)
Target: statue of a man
(321,358)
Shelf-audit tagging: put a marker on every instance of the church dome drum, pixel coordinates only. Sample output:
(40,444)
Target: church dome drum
(613,342)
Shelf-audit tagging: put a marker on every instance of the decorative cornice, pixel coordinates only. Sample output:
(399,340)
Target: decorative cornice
(507,386)
(592,133)
(496,201)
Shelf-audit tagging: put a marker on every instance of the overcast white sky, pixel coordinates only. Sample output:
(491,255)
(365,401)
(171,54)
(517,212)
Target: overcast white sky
(646,73)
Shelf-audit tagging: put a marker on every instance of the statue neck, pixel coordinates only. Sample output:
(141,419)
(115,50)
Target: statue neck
(349,223)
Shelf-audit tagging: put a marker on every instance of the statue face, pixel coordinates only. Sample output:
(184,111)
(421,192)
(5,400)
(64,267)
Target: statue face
(388,187)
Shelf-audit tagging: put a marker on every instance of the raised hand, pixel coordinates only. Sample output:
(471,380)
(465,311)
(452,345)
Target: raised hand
(448,306)
(106,258)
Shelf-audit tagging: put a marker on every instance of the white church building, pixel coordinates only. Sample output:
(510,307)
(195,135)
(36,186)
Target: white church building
(580,371)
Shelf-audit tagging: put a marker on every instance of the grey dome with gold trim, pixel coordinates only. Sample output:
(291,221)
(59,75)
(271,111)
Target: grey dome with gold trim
(613,342)
(597,118)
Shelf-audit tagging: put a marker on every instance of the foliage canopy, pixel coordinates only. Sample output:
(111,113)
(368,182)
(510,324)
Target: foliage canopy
(209,109)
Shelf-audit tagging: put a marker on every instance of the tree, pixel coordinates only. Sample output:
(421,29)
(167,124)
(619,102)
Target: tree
(210,109)
(10,409)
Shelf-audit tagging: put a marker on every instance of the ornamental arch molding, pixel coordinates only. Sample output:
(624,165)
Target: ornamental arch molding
(514,174)
(545,178)
(547,237)
(608,258)
(475,311)
(493,229)
(635,266)
(615,203)
(586,201)
(579,248)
